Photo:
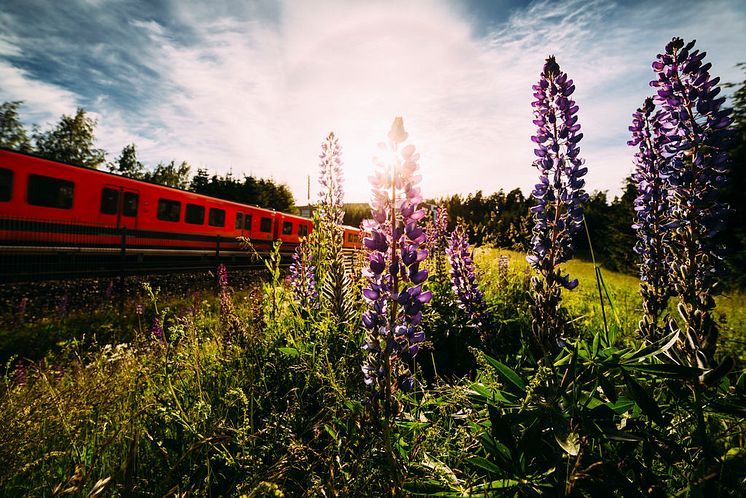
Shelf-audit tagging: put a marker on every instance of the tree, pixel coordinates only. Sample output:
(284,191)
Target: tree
(262,193)
(127,164)
(71,141)
(200,182)
(12,133)
(170,174)
(734,235)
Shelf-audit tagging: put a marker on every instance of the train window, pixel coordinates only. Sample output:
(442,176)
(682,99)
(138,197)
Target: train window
(109,201)
(6,184)
(287,227)
(265,225)
(247,222)
(50,192)
(169,210)
(239,221)
(217,217)
(130,204)
(302,230)
(195,214)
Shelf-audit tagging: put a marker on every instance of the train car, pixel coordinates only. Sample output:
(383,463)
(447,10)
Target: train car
(51,206)
(352,238)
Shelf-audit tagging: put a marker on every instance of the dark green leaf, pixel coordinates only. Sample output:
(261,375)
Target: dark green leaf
(507,374)
(658,347)
(644,400)
(485,464)
(669,370)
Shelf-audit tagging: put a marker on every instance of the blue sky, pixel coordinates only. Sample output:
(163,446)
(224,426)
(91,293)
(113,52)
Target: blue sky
(254,86)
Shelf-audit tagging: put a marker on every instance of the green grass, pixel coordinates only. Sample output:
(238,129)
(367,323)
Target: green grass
(260,400)
(584,303)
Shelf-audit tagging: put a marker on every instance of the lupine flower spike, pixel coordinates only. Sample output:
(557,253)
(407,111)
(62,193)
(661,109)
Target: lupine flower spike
(559,196)
(437,240)
(649,133)
(331,195)
(394,292)
(697,137)
(302,278)
(464,278)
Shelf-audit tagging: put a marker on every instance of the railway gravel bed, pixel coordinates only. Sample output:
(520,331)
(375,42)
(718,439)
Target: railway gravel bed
(32,301)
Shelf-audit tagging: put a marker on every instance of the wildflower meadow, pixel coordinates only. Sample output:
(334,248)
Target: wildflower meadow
(419,366)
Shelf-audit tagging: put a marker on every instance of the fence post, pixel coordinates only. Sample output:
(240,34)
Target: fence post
(122,258)
(217,249)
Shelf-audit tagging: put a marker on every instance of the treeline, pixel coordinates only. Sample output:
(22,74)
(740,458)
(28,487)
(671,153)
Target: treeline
(504,220)
(72,141)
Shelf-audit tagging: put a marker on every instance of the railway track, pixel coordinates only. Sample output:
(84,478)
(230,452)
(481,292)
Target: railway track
(62,263)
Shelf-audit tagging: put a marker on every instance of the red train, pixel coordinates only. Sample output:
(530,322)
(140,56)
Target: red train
(46,206)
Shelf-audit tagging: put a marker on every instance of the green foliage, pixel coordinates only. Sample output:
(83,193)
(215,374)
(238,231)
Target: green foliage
(127,164)
(355,213)
(259,192)
(277,410)
(12,132)
(71,141)
(502,220)
(734,235)
(604,420)
(499,219)
(169,174)
(338,294)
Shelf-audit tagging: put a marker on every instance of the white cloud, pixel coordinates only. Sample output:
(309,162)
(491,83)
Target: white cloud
(43,102)
(256,91)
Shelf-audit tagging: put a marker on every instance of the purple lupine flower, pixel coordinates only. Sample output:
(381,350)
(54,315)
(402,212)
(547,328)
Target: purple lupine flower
(139,310)
(302,277)
(225,303)
(649,133)
(156,329)
(109,290)
(395,253)
(697,135)
(502,267)
(222,277)
(464,278)
(226,307)
(559,196)
(62,306)
(437,240)
(22,305)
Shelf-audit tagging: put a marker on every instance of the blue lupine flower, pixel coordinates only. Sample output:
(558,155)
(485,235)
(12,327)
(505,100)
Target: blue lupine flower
(464,278)
(697,137)
(303,278)
(395,246)
(650,134)
(559,196)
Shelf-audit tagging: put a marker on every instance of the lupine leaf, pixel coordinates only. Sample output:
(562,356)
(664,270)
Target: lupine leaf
(660,346)
(644,400)
(668,370)
(506,373)
(485,464)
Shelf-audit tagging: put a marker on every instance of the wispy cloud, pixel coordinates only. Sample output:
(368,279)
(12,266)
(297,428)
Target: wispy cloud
(254,88)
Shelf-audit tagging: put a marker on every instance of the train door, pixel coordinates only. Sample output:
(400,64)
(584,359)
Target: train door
(129,208)
(119,207)
(248,223)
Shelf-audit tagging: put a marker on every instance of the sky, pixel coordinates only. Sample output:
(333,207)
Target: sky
(254,87)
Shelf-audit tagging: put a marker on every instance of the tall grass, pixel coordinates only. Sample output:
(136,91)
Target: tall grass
(279,411)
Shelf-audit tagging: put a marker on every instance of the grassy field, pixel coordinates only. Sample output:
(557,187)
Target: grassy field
(244,393)
(624,308)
